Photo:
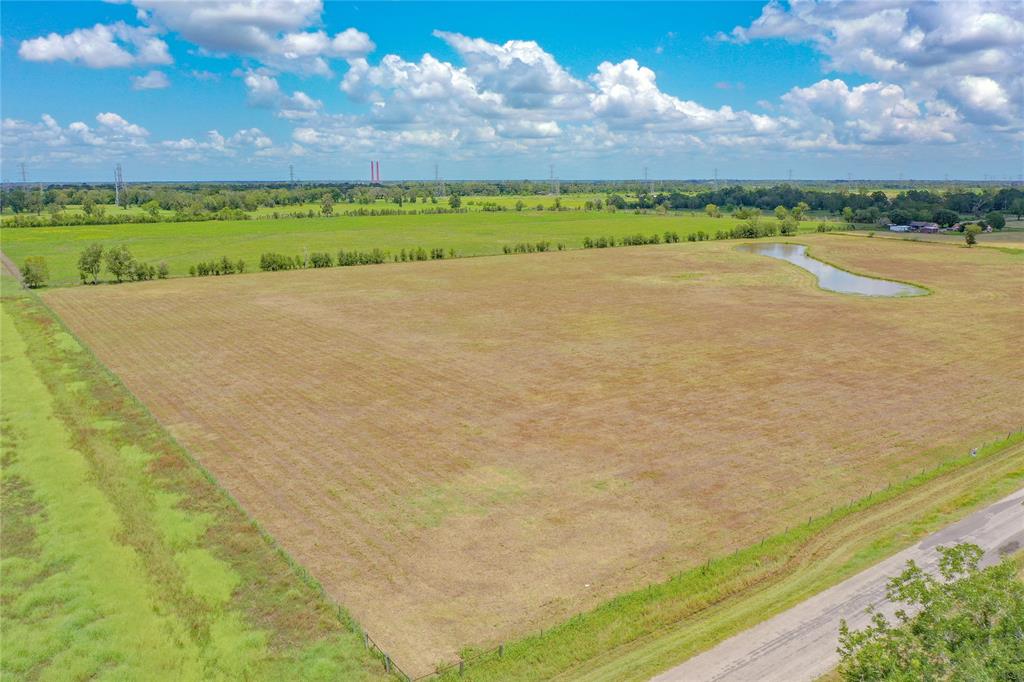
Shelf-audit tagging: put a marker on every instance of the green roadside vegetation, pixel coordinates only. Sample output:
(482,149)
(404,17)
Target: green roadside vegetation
(645,632)
(182,245)
(121,559)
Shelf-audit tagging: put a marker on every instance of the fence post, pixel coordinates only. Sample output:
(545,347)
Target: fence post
(501,651)
(462,667)
(366,640)
(387,663)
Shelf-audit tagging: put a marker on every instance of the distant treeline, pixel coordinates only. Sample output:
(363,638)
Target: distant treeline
(221,201)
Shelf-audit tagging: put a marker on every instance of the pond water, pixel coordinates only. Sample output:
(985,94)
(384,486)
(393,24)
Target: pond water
(830,277)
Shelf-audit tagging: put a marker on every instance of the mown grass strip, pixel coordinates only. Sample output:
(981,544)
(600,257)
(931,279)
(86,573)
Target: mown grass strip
(641,633)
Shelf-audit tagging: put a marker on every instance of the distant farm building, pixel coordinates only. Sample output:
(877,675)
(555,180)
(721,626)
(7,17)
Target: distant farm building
(923,226)
(899,228)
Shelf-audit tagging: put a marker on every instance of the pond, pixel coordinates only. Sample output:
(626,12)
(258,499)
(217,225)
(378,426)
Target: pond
(830,277)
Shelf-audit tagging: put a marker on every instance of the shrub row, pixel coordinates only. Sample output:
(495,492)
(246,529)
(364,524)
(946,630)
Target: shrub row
(119,262)
(103,218)
(224,266)
(528,247)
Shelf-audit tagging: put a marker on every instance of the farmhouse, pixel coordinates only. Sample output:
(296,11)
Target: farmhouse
(923,226)
(899,228)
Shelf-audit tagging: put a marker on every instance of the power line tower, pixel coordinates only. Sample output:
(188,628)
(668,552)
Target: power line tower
(716,178)
(555,185)
(24,172)
(648,185)
(438,182)
(120,189)
(291,173)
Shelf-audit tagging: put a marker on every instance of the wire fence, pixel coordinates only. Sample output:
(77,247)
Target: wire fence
(498,652)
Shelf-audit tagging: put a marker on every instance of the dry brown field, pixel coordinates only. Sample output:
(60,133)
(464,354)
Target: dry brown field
(464,450)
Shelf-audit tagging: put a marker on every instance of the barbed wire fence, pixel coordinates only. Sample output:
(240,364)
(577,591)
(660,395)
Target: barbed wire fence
(498,652)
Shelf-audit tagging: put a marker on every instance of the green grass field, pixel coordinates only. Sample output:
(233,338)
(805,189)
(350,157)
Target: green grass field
(121,560)
(469,234)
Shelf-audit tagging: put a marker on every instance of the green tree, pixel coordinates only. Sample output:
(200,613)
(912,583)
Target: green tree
(520,205)
(17,199)
(327,205)
(995,220)
(88,205)
(34,272)
(964,624)
(945,218)
(848,215)
(152,207)
(801,210)
(455,201)
(1017,208)
(90,262)
(120,263)
(781,213)
(971,233)
(899,216)
(713,211)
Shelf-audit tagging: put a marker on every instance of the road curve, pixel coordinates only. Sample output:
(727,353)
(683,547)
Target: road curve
(800,644)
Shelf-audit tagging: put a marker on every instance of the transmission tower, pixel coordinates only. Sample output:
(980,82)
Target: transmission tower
(24,173)
(716,178)
(647,183)
(291,173)
(555,185)
(120,189)
(438,181)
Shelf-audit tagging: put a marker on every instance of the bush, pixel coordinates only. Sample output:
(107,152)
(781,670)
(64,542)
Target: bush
(995,220)
(141,272)
(321,259)
(270,262)
(162,271)
(34,272)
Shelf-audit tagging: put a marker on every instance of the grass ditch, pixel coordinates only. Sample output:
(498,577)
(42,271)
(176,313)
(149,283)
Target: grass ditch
(119,555)
(649,630)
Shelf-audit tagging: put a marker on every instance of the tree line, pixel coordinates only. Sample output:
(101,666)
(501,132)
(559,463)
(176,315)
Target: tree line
(119,263)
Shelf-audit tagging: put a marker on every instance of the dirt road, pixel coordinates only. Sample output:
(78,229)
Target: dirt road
(10,266)
(800,644)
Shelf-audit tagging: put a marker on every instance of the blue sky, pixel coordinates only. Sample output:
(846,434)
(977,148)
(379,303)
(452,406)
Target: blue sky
(242,89)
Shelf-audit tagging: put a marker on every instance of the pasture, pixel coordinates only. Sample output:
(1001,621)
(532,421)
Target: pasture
(469,234)
(464,451)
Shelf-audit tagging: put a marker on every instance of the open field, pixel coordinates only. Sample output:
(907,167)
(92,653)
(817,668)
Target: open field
(464,451)
(184,244)
(120,559)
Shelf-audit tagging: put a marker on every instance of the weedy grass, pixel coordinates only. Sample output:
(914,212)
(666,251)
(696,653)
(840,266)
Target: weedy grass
(644,632)
(120,558)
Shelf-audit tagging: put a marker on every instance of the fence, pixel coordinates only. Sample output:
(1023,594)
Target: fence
(498,652)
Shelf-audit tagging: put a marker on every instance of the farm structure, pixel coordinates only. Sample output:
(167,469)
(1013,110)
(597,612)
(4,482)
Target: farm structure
(462,451)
